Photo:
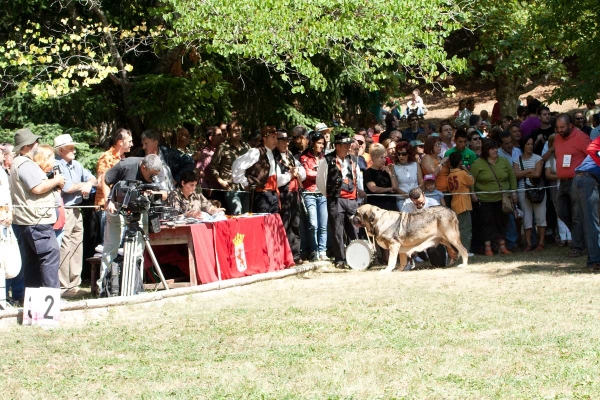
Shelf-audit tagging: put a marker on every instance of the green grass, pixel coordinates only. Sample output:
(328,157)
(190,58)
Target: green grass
(501,328)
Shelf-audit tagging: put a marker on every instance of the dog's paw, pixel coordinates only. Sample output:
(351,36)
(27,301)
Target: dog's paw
(461,266)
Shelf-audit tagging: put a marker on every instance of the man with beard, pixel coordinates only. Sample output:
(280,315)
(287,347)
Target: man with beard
(570,149)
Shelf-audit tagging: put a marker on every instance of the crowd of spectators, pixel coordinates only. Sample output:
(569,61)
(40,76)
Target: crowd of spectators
(473,164)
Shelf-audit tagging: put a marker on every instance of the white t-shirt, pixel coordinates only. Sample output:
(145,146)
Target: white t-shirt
(527,164)
(409,207)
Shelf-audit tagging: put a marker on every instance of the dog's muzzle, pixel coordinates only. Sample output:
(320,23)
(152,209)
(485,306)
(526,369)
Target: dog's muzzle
(357,221)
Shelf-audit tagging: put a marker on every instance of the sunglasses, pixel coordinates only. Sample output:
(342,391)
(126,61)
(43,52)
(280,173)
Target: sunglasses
(402,154)
(580,118)
(475,138)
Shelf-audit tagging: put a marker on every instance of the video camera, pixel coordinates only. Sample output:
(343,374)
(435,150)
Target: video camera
(132,199)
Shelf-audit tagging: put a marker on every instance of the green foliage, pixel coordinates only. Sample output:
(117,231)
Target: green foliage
(91,107)
(167,102)
(575,31)
(87,153)
(373,40)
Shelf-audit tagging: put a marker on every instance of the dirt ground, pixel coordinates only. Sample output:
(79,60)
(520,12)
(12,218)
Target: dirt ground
(440,106)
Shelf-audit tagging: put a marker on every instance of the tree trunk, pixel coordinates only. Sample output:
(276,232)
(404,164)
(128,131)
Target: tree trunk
(507,94)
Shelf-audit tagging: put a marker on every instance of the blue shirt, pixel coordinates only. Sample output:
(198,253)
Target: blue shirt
(589,165)
(73,172)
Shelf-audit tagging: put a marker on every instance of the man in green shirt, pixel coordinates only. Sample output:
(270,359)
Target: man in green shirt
(468,155)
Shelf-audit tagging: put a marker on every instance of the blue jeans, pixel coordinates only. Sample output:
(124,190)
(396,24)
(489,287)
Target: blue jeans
(316,206)
(17,284)
(511,232)
(585,191)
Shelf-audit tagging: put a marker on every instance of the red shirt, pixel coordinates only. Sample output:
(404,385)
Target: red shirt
(570,152)
(310,164)
(593,150)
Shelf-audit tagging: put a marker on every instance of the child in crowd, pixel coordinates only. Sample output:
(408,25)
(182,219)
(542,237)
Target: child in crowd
(460,181)
(415,104)
(431,191)
(485,117)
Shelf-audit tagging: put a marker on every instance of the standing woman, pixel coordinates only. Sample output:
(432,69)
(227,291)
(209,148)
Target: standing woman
(490,171)
(380,179)
(433,164)
(563,230)
(316,203)
(390,147)
(407,171)
(528,166)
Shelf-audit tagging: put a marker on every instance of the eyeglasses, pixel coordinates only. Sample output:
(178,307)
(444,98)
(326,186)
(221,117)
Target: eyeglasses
(402,154)
(580,118)
(475,138)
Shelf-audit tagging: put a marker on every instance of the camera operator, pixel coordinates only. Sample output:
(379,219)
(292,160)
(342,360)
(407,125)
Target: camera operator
(187,201)
(130,169)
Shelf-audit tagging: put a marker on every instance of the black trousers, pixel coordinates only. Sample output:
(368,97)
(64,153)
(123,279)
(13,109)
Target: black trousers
(290,216)
(340,212)
(265,203)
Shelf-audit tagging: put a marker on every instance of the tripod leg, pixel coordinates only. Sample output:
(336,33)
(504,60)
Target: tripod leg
(155,263)
(126,270)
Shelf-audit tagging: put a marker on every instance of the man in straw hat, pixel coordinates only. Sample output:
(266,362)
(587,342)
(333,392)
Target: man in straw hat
(338,178)
(34,213)
(79,182)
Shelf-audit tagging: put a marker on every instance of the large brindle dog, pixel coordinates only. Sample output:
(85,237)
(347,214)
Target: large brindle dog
(407,233)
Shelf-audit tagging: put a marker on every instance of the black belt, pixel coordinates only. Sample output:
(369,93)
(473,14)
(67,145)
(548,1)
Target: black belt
(312,193)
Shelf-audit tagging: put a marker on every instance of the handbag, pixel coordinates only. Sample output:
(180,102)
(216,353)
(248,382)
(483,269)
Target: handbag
(507,205)
(10,256)
(532,192)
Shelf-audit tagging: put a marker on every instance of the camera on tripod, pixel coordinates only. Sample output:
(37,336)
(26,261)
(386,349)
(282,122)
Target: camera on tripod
(132,199)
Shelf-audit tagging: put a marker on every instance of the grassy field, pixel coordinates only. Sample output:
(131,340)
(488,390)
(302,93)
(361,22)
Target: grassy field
(501,328)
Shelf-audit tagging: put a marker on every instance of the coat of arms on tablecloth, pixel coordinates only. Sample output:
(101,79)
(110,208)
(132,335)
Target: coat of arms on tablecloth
(240,252)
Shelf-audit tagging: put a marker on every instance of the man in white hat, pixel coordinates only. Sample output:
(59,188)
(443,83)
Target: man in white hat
(78,185)
(34,214)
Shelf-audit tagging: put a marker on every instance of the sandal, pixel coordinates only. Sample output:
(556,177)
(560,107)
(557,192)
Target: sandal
(574,253)
(504,250)
(528,248)
(539,247)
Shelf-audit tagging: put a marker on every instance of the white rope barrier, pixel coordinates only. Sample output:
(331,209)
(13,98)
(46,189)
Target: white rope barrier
(368,195)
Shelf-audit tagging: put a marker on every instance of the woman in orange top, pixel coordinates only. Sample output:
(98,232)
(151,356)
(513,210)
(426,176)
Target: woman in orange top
(433,164)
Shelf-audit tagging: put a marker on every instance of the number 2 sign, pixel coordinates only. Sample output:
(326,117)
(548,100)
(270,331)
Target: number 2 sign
(42,306)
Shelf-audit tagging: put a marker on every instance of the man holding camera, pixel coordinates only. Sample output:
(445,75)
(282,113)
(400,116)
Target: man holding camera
(130,169)
(78,185)
(34,214)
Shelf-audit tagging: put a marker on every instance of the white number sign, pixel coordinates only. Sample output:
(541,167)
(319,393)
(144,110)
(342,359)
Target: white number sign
(42,306)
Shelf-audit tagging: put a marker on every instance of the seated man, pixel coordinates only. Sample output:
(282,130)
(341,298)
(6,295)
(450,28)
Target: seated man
(187,201)
(415,105)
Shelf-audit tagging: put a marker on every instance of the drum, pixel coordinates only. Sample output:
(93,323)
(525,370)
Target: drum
(359,254)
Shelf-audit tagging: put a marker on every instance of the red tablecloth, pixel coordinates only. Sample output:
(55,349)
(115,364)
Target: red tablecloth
(261,239)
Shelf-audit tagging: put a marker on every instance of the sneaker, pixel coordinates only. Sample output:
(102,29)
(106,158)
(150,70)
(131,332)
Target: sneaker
(323,257)
(470,254)
(418,259)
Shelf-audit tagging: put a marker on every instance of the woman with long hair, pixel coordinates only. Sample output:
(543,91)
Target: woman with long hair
(315,202)
(529,166)
(44,157)
(407,170)
(433,164)
(492,174)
